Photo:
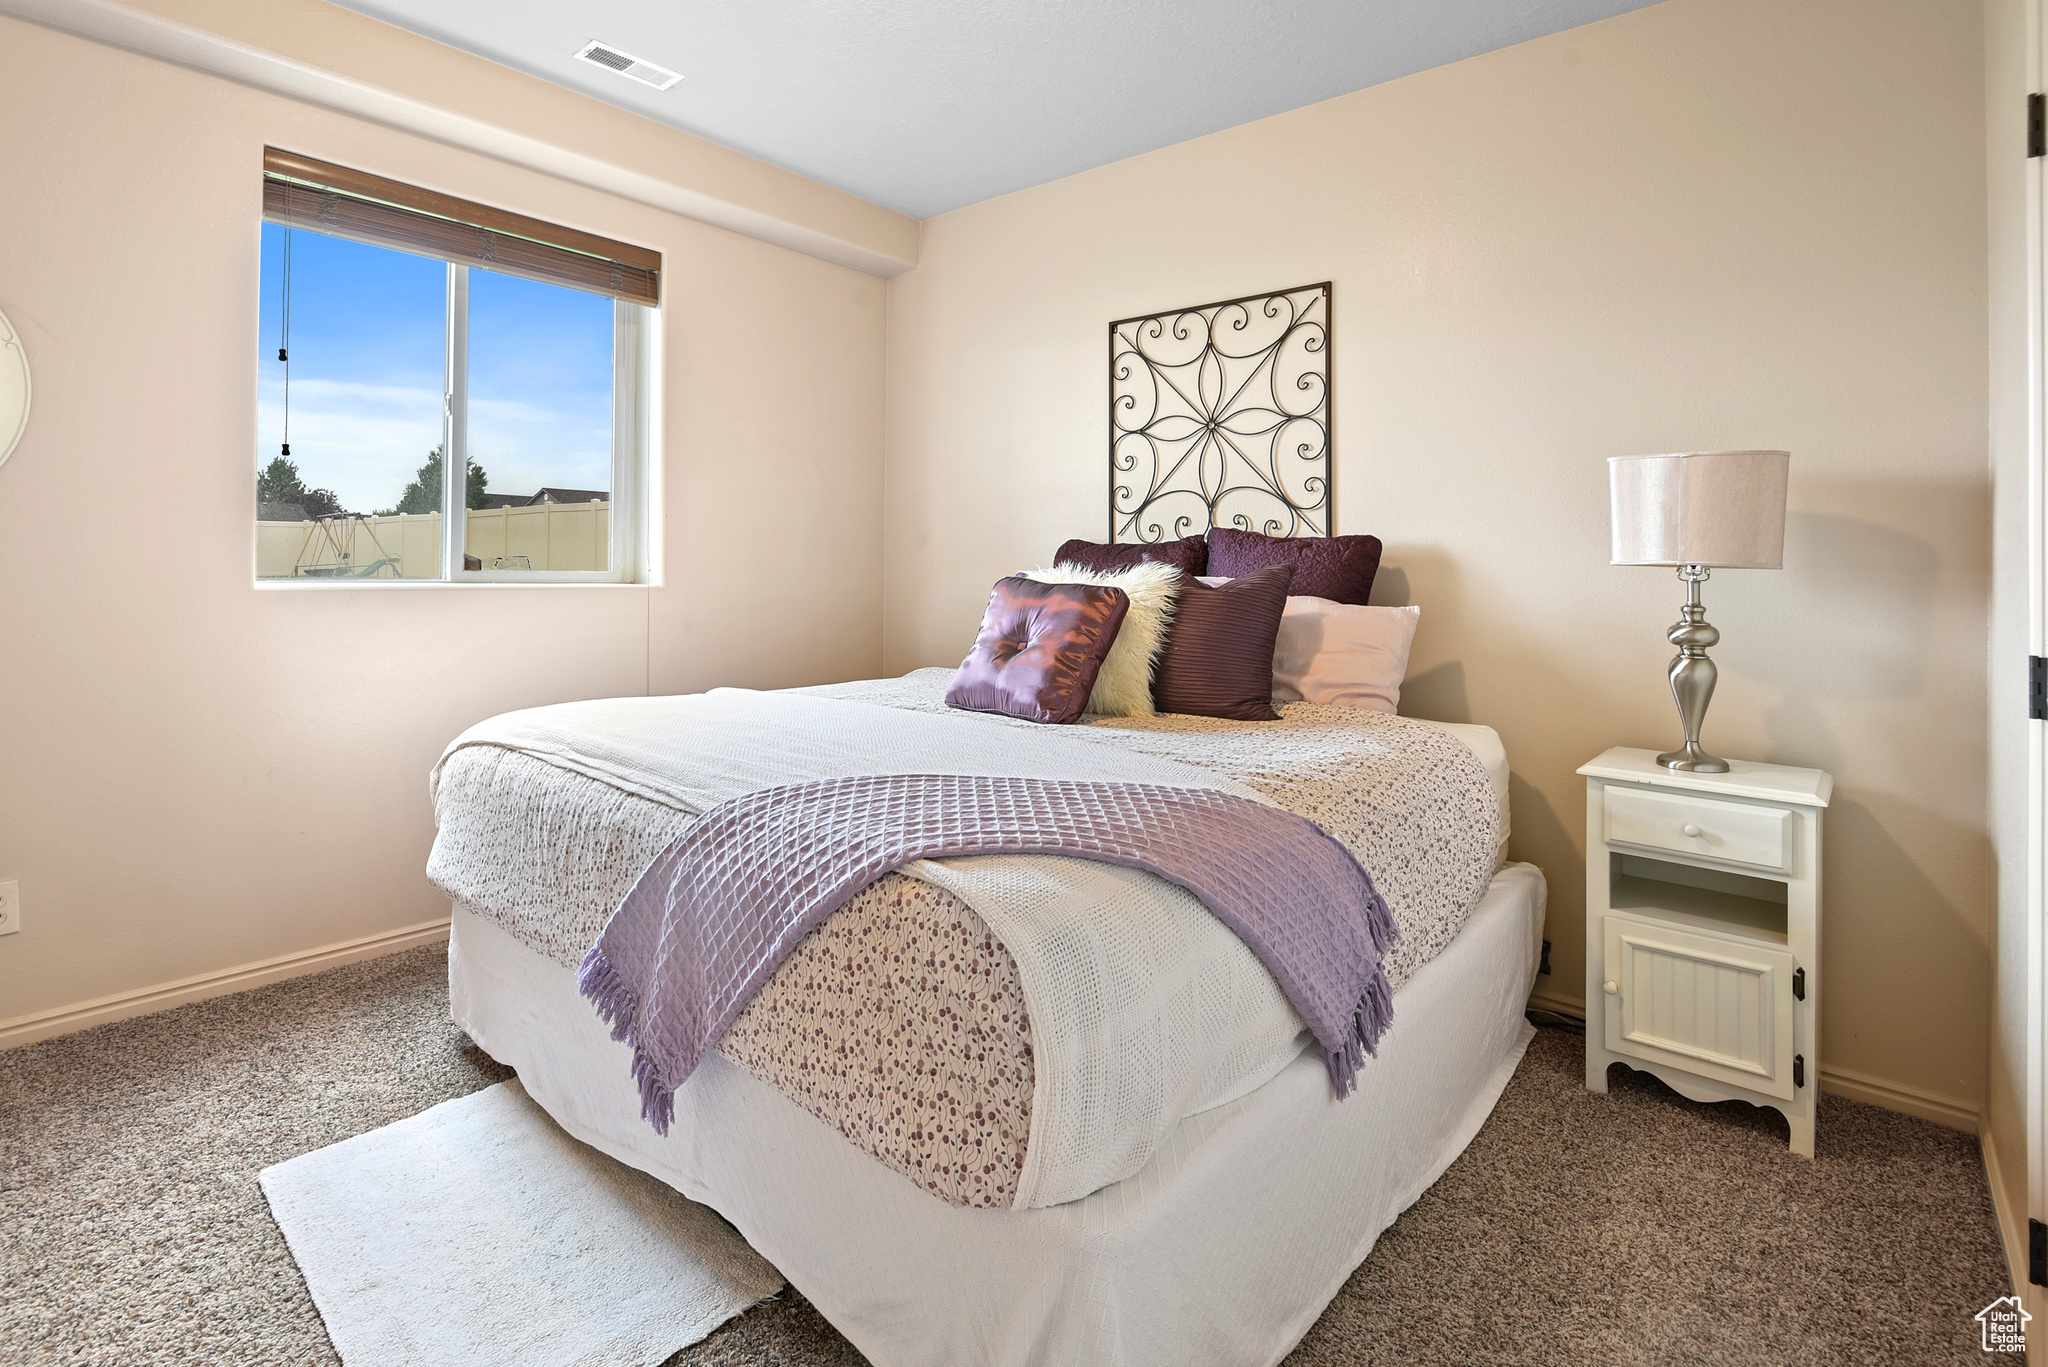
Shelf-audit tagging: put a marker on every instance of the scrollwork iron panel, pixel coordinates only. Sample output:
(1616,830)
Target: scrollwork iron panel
(1220,416)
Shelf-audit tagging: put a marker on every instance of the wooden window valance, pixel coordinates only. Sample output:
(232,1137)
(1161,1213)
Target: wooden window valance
(304,193)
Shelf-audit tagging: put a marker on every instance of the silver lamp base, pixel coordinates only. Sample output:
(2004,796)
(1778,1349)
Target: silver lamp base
(1692,677)
(1692,760)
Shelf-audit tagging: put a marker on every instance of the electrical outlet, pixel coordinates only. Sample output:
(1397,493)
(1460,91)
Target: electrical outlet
(10,907)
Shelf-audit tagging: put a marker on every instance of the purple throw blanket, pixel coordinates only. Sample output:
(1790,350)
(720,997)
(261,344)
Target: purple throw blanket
(714,916)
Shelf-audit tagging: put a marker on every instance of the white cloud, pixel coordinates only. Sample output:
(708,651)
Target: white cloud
(363,441)
(524,447)
(366,441)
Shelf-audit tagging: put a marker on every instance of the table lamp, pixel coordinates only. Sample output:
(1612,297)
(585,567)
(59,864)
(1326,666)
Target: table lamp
(1699,511)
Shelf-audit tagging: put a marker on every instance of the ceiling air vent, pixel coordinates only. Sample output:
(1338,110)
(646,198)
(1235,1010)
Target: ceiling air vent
(610,58)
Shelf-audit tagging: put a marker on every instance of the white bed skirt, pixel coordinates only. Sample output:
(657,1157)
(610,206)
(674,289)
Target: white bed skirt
(1222,1250)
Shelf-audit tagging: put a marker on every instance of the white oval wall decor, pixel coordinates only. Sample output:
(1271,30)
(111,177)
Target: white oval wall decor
(13,388)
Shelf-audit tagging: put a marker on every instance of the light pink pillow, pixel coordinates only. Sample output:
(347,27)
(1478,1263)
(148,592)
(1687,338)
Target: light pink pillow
(1346,654)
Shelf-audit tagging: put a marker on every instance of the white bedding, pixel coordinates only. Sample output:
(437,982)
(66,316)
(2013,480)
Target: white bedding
(1222,1249)
(1143,1008)
(1484,742)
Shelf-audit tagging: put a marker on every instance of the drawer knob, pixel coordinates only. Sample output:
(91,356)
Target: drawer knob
(1691,829)
(1611,988)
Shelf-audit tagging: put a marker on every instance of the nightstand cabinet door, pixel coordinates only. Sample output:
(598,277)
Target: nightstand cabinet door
(1719,1006)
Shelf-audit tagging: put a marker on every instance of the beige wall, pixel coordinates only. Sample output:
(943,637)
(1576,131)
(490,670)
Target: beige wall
(180,749)
(337,59)
(2006,166)
(1707,224)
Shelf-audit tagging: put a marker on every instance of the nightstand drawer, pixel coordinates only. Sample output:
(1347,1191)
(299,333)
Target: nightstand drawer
(1760,837)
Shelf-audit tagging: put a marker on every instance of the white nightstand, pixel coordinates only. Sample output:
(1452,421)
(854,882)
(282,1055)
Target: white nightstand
(1703,930)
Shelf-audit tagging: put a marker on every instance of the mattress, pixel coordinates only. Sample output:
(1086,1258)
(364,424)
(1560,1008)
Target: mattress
(901,1020)
(1222,1249)
(1484,742)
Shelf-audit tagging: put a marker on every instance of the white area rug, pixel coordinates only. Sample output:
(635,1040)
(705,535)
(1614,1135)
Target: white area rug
(479,1233)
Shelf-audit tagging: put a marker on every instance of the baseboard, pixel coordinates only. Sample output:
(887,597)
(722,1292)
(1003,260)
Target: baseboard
(162,997)
(1951,1113)
(1541,1000)
(2012,1224)
(1946,1111)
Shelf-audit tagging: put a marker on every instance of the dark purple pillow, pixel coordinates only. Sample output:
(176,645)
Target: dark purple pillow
(1339,568)
(1188,555)
(1219,660)
(1039,650)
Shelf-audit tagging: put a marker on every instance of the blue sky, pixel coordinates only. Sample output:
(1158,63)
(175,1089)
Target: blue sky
(367,367)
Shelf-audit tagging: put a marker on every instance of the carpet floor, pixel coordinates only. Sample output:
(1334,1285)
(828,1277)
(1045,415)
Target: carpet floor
(1636,1228)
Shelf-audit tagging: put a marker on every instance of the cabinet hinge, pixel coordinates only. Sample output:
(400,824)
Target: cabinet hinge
(1799,984)
(2037,688)
(2037,1253)
(2037,126)
(1799,1070)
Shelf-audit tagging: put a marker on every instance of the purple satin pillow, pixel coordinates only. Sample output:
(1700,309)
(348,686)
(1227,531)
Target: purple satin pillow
(1039,650)
(1188,555)
(1219,660)
(1339,568)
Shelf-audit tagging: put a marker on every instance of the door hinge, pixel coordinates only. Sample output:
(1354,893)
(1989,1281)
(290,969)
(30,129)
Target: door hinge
(2037,688)
(2037,1253)
(1799,1070)
(2037,126)
(1799,984)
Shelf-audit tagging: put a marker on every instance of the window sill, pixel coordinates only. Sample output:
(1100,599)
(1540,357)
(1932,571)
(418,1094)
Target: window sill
(307,585)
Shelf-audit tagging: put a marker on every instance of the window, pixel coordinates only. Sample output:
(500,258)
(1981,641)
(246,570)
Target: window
(446,391)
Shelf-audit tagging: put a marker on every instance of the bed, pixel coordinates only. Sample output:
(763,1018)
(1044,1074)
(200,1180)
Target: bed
(927,1168)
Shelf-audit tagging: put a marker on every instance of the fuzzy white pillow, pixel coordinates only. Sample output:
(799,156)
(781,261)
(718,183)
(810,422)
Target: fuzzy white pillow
(1342,653)
(1123,688)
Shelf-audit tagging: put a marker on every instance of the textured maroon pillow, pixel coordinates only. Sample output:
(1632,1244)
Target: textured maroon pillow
(1219,660)
(1339,568)
(1188,555)
(1039,649)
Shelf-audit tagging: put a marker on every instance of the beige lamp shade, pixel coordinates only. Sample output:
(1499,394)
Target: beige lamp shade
(1719,508)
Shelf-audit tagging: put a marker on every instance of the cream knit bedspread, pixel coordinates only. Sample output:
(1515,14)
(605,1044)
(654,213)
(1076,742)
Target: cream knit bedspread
(901,1020)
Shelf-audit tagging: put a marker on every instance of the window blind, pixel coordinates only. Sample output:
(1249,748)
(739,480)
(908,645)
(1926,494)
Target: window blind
(304,193)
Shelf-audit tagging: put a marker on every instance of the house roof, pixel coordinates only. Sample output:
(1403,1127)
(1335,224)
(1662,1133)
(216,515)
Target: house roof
(548,494)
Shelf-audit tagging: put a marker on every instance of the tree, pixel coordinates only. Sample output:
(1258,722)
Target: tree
(423,495)
(279,482)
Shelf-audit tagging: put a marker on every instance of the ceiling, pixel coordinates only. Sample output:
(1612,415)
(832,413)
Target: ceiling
(928,105)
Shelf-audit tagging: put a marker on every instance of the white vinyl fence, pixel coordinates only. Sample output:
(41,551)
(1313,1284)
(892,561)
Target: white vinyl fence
(546,536)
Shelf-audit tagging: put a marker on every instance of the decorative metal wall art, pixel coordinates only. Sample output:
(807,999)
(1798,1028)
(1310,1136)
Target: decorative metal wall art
(1220,416)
